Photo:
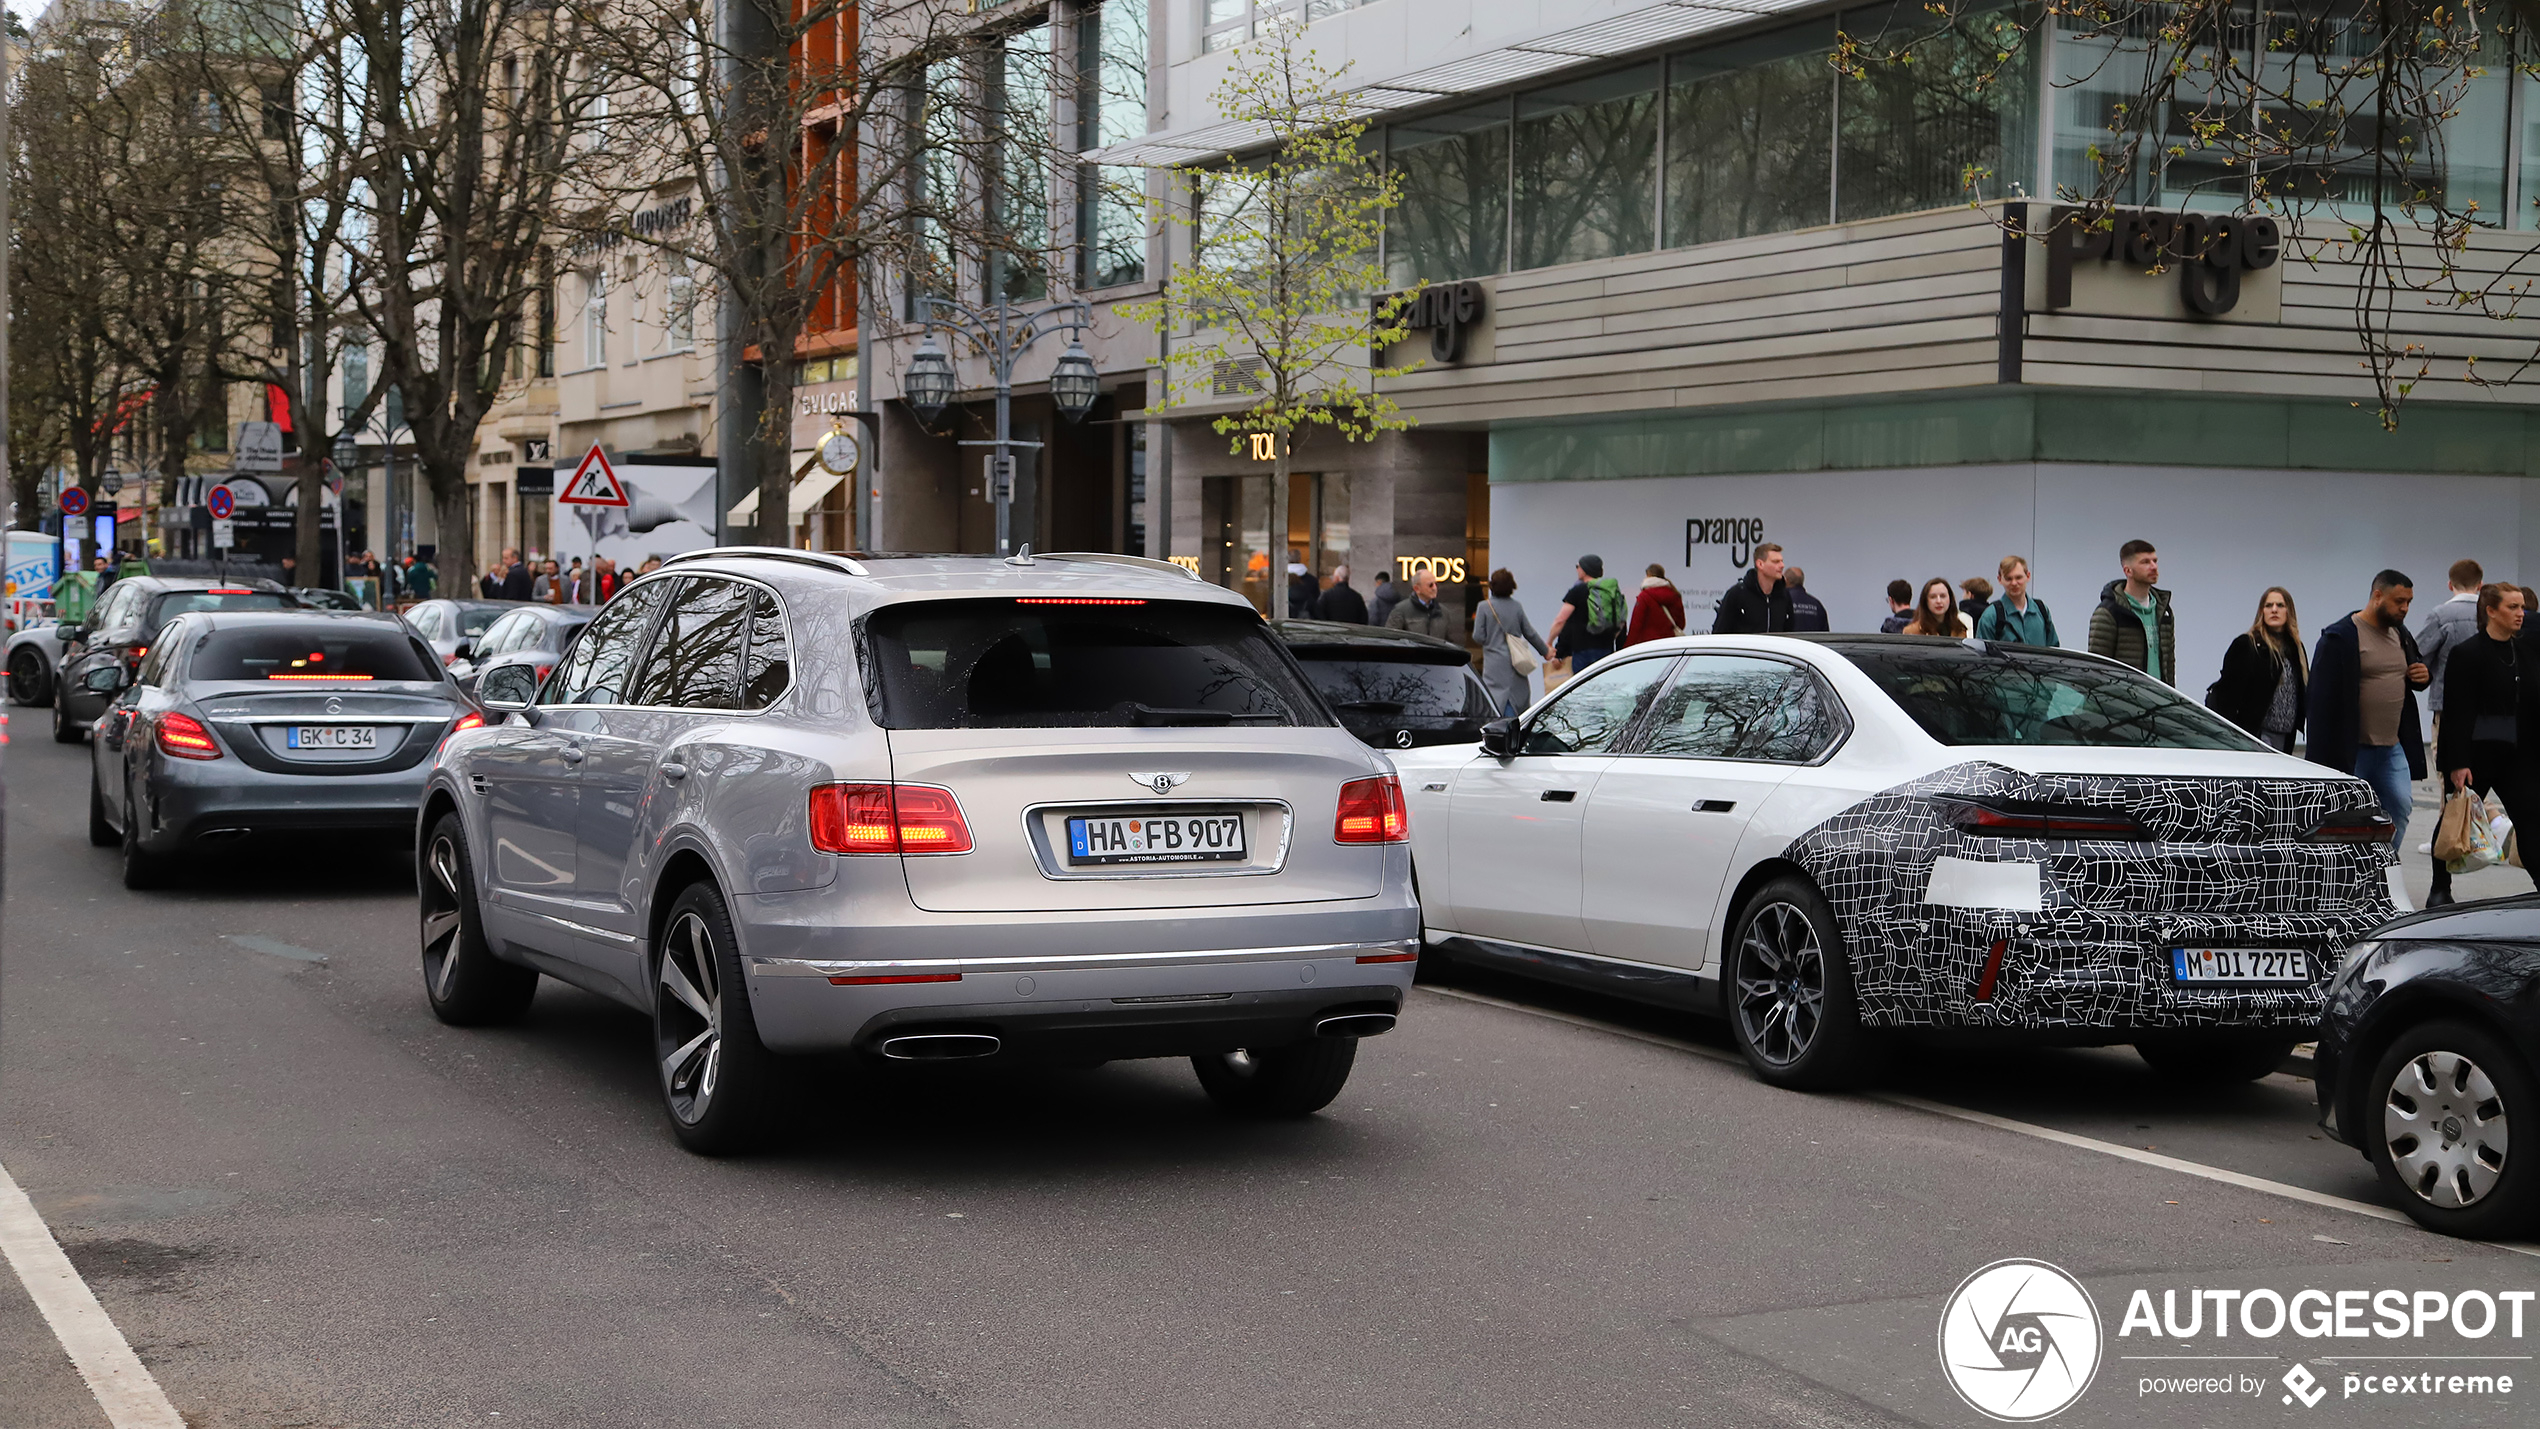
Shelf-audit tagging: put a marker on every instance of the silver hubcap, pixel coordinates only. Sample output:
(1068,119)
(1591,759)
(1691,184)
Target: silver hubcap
(1781,984)
(441,917)
(689,1022)
(2446,1129)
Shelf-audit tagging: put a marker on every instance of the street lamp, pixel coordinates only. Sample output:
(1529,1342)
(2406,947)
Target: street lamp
(929,383)
(1002,336)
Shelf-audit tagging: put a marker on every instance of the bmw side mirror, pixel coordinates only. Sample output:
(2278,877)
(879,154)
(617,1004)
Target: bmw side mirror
(1499,737)
(507,689)
(104,680)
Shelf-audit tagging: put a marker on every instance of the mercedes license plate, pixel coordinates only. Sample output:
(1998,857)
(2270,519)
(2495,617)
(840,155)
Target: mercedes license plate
(2240,964)
(332,736)
(1155,838)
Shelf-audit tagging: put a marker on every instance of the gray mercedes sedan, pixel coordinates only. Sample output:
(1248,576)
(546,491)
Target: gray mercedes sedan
(1070,808)
(246,722)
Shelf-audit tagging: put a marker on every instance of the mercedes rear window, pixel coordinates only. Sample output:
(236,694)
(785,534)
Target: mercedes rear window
(2013,695)
(1394,687)
(1054,663)
(328,650)
(185,602)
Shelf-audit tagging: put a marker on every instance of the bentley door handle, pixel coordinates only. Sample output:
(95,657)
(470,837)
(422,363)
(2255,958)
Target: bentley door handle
(673,769)
(572,754)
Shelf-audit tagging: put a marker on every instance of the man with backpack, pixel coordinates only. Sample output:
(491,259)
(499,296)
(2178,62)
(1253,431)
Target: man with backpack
(1591,619)
(2016,616)
(1759,604)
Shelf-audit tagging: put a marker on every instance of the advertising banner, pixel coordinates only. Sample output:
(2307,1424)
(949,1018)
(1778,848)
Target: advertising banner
(669,508)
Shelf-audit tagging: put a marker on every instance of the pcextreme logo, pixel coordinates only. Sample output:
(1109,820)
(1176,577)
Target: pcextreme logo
(2020,1340)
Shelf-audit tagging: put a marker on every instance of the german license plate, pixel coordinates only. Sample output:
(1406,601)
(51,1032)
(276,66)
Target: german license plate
(2240,964)
(1155,838)
(332,736)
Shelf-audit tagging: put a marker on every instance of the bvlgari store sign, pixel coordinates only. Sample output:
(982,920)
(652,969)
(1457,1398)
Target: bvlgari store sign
(2209,252)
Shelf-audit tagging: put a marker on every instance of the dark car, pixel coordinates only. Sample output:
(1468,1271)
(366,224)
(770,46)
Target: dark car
(128,617)
(451,627)
(531,635)
(2427,1051)
(1391,688)
(240,723)
(321,598)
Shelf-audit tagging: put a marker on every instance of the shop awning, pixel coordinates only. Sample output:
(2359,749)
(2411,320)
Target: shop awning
(809,491)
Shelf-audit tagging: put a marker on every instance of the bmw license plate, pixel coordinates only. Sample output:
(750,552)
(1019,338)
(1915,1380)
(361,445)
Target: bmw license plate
(1155,838)
(2201,965)
(332,736)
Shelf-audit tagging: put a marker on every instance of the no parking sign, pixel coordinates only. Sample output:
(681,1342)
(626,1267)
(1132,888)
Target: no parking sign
(221,502)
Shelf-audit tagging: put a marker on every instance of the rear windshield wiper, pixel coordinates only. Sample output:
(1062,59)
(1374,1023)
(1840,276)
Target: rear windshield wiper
(1143,714)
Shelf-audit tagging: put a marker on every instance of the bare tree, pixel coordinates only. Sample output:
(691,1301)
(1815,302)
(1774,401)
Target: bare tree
(822,143)
(476,120)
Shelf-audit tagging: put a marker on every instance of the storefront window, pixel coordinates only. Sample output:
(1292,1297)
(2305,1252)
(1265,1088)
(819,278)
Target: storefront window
(1950,120)
(1111,108)
(1749,129)
(1453,220)
(1586,169)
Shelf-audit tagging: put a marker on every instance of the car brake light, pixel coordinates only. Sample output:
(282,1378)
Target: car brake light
(542,671)
(183,736)
(2046,823)
(227,590)
(470,720)
(1372,812)
(2354,828)
(887,818)
(1076,600)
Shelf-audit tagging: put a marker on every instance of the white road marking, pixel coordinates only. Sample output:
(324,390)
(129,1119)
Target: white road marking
(2001,1123)
(124,1388)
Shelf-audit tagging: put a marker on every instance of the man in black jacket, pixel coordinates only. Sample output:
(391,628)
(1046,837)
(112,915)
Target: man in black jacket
(515,578)
(1807,613)
(2362,719)
(1341,602)
(1759,604)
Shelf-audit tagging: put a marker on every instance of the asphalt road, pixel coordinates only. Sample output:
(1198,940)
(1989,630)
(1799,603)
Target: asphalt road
(306,1203)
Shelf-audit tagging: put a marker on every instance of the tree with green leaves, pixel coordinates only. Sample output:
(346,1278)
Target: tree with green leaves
(1276,292)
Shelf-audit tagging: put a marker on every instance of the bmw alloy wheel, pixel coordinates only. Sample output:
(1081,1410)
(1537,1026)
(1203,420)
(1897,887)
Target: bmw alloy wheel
(1781,984)
(689,1028)
(2446,1129)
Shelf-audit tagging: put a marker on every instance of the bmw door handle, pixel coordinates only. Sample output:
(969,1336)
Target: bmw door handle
(673,769)
(1559,796)
(1715,806)
(573,754)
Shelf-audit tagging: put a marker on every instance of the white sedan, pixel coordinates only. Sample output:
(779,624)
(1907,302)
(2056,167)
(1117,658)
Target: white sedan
(1819,837)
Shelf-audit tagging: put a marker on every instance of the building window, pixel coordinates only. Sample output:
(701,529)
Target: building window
(1453,221)
(935,181)
(1111,108)
(542,317)
(1954,121)
(679,314)
(1227,23)
(1747,131)
(1019,96)
(356,376)
(1587,169)
(595,318)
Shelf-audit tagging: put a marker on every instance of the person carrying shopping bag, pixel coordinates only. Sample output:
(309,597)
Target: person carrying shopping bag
(2485,746)
(1505,635)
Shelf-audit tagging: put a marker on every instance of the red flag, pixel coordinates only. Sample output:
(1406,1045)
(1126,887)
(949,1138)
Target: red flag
(278,407)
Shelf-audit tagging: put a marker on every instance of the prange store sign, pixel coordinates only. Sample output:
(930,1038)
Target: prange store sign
(2210,251)
(1443,311)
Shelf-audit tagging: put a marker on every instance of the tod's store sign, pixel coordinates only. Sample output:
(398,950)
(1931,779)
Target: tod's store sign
(2208,252)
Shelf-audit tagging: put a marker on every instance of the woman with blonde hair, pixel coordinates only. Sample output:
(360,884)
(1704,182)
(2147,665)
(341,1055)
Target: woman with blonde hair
(1936,612)
(2265,678)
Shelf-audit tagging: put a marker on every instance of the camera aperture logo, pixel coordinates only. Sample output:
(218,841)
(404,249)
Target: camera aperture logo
(2020,1340)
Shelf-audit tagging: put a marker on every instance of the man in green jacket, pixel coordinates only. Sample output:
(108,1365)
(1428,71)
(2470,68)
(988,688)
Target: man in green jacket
(2132,624)
(1422,614)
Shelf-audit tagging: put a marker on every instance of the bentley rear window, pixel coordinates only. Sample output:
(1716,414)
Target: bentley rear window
(2013,695)
(1049,663)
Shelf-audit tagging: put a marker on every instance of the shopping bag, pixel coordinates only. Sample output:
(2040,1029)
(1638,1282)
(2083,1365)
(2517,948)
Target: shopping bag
(2451,831)
(2481,848)
(1556,672)
(1521,657)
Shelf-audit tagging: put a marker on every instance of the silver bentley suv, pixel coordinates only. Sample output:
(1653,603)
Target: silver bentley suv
(1058,808)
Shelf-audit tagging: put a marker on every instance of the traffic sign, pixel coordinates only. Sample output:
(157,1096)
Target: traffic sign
(74,501)
(222,503)
(334,481)
(224,532)
(594,482)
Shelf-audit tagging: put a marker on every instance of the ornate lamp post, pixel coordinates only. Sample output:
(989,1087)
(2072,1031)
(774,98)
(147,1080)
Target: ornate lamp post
(1002,336)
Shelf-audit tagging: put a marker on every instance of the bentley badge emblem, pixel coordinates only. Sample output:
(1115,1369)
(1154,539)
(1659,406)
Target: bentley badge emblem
(334,706)
(1160,782)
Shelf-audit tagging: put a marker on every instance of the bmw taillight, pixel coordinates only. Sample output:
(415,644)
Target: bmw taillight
(887,818)
(1372,811)
(183,737)
(2362,826)
(2010,821)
